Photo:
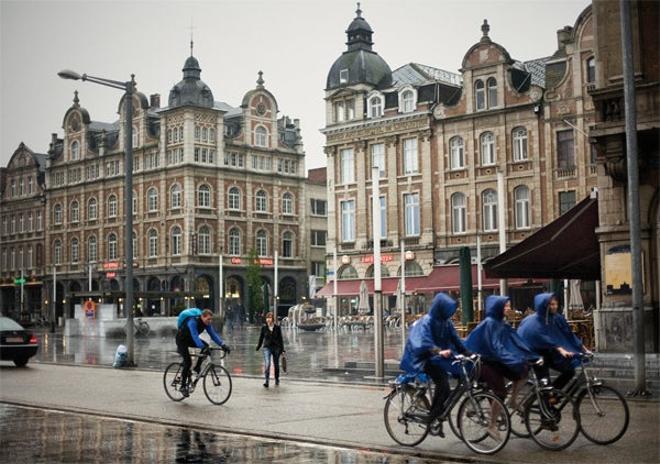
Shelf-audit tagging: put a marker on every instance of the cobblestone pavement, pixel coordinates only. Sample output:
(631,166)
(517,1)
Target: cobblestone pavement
(30,435)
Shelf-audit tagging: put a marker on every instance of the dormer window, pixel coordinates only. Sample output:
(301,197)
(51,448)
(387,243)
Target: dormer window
(75,150)
(261,137)
(375,107)
(492,92)
(591,70)
(407,101)
(339,111)
(479,95)
(343,76)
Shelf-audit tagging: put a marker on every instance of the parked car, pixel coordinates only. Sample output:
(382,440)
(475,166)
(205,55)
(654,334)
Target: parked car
(16,343)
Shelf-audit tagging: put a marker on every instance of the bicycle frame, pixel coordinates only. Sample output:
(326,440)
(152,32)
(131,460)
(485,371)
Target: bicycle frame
(575,386)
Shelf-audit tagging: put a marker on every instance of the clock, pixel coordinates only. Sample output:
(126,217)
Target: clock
(535,94)
(261,109)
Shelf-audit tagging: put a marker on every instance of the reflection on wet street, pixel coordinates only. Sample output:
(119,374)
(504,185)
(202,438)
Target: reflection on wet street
(29,435)
(309,354)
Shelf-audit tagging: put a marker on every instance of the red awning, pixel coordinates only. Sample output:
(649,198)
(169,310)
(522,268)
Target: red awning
(567,248)
(441,279)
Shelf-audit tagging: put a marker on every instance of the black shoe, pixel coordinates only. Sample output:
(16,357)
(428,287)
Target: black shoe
(197,369)
(184,391)
(277,382)
(266,385)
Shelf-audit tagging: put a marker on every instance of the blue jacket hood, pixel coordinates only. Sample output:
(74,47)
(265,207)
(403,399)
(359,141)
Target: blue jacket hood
(495,306)
(541,303)
(443,307)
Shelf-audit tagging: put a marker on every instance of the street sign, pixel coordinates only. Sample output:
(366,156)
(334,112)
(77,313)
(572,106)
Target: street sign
(19,281)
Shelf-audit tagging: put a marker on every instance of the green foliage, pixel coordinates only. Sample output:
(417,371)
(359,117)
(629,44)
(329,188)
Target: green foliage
(254,283)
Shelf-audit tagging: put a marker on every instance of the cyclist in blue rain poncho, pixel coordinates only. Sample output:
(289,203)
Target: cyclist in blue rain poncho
(431,343)
(547,333)
(503,353)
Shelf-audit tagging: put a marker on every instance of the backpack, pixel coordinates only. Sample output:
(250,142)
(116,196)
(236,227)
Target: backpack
(187,314)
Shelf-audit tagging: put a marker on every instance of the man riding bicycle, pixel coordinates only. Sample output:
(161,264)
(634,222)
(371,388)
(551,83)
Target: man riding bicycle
(190,324)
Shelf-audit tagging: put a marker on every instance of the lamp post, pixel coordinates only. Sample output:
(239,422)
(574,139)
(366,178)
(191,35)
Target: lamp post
(128,88)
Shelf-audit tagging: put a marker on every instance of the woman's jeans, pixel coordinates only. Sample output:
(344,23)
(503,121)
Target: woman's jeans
(275,354)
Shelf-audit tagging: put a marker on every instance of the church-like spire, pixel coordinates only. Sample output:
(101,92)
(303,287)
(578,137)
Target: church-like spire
(76,100)
(260,81)
(359,32)
(485,28)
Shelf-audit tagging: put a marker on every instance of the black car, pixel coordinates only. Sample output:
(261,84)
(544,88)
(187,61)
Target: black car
(16,343)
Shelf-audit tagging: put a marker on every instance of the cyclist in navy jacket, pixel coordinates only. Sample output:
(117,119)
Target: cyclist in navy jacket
(191,323)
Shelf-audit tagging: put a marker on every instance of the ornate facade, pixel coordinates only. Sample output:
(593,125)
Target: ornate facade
(209,179)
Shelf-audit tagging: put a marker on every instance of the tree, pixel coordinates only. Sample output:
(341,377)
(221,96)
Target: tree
(254,282)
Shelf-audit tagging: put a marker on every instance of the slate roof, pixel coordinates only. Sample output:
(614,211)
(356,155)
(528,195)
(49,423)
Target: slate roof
(418,74)
(535,68)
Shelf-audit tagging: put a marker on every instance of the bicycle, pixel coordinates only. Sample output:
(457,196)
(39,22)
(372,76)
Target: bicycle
(407,408)
(215,379)
(604,413)
(549,415)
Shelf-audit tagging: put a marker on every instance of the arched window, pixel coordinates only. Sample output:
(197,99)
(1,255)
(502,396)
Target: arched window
(384,272)
(204,196)
(135,203)
(92,210)
(75,150)
(75,211)
(57,253)
(204,241)
(407,101)
(487,149)
(287,203)
(112,206)
(492,92)
(57,217)
(262,243)
(234,241)
(521,196)
(519,144)
(175,196)
(456,158)
(591,70)
(112,247)
(458,213)
(287,244)
(412,269)
(375,107)
(153,243)
(347,272)
(261,137)
(136,136)
(75,252)
(176,241)
(261,202)
(489,210)
(152,200)
(479,95)
(91,249)
(234,200)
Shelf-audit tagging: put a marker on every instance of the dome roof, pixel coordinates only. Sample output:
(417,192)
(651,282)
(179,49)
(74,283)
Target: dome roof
(191,90)
(363,64)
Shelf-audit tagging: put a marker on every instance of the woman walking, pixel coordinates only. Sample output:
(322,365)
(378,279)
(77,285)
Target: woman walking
(273,344)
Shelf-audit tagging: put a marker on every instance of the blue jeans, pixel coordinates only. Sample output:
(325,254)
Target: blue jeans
(275,354)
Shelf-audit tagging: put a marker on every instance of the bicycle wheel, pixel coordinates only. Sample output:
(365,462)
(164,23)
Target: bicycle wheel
(475,416)
(604,419)
(452,418)
(517,416)
(555,423)
(217,385)
(172,381)
(399,412)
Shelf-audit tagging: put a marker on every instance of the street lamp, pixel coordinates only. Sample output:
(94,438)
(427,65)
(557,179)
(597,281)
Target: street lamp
(128,88)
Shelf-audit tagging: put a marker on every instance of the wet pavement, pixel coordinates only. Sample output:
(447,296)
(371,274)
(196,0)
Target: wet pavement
(310,355)
(29,435)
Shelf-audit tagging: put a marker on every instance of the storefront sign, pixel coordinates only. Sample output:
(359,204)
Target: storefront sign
(236,260)
(369,259)
(89,307)
(265,261)
(111,265)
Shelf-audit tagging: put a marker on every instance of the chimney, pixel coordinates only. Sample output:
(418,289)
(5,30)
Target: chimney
(154,100)
(564,36)
(296,122)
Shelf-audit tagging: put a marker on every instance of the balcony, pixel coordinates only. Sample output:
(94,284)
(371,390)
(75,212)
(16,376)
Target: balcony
(566,172)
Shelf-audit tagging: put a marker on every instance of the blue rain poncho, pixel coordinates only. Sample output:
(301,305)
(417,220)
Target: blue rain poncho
(545,332)
(495,340)
(434,330)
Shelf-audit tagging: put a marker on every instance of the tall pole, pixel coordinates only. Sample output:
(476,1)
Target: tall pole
(275,287)
(221,282)
(378,306)
(128,210)
(89,277)
(403,296)
(22,289)
(54,302)
(334,289)
(501,220)
(633,198)
(480,302)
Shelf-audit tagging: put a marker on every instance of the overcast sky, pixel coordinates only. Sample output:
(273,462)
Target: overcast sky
(294,42)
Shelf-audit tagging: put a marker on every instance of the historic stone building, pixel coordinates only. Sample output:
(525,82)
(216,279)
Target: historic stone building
(317,222)
(440,138)
(210,180)
(22,231)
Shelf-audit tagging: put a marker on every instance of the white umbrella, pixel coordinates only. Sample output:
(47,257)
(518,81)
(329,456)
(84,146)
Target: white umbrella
(575,298)
(363,303)
(399,296)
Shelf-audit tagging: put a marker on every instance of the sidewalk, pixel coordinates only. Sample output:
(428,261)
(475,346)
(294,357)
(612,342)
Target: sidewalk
(330,414)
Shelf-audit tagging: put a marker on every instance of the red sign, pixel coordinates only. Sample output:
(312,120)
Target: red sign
(265,261)
(236,260)
(110,265)
(370,259)
(110,275)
